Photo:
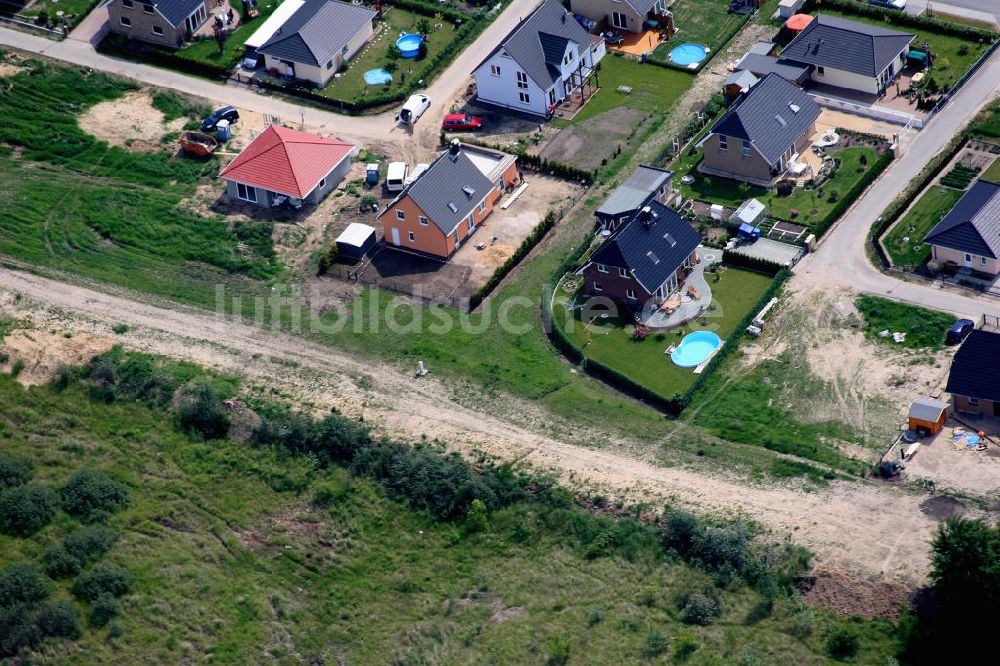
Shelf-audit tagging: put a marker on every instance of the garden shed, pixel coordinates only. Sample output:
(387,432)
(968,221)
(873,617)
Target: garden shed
(356,240)
(927,416)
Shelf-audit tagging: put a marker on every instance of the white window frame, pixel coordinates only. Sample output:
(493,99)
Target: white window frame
(471,222)
(622,272)
(522,80)
(746,148)
(322,183)
(723,142)
(494,70)
(630,293)
(125,21)
(601,268)
(821,70)
(973,401)
(148,9)
(409,236)
(597,286)
(400,215)
(154,30)
(982,261)
(524,97)
(482,206)
(422,220)
(249,193)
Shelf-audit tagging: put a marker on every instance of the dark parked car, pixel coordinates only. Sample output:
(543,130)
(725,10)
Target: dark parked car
(959,330)
(461,122)
(224,113)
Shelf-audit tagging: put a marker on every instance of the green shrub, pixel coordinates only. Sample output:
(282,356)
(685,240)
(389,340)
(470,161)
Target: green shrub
(200,412)
(22,584)
(686,647)
(842,643)
(59,562)
(14,470)
(90,543)
(103,579)
(681,532)
(58,619)
(26,509)
(477,518)
(656,643)
(559,650)
(103,609)
(701,608)
(92,496)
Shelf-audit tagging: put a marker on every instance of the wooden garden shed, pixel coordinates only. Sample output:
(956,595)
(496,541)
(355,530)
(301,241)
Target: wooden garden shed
(927,416)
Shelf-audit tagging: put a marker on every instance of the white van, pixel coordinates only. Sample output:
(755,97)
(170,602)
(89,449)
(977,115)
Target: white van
(395,176)
(414,108)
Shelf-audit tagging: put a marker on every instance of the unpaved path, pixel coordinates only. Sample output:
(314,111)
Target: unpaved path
(869,529)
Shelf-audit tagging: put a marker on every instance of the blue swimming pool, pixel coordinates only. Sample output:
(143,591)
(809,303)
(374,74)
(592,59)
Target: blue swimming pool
(377,77)
(695,349)
(688,54)
(409,45)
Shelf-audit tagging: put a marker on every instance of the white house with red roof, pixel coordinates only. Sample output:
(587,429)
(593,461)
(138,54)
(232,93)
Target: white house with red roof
(282,162)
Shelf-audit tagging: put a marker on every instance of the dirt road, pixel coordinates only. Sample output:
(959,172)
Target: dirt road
(865,528)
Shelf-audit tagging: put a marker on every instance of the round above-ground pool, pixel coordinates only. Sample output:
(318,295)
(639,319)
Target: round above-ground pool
(688,54)
(409,45)
(695,349)
(377,77)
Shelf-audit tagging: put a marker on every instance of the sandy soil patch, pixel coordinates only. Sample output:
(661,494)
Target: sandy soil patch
(130,121)
(10,69)
(42,352)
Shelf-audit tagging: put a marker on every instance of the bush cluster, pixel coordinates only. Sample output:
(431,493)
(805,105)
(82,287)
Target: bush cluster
(26,617)
(200,412)
(701,608)
(92,496)
(77,550)
(14,470)
(26,509)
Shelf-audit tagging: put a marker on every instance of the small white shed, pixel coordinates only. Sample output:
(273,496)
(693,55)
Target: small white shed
(356,240)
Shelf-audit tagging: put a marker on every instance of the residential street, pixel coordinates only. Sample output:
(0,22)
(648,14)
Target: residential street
(841,257)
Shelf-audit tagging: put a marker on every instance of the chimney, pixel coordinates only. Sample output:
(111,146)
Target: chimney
(455,147)
(647,217)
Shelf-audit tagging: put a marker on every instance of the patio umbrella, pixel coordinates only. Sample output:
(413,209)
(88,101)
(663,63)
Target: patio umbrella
(798,22)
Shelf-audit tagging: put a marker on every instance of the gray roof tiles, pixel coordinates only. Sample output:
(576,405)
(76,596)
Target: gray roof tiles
(317,31)
(973,370)
(175,11)
(973,225)
(635,191)
(762,65)
(532,44)
(766,118)
(852,46)
(653,250)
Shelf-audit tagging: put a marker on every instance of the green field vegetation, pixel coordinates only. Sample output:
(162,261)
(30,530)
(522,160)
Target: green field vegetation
(610,341)
(74,11)
(654,89)
(106,213)
(277,553)
(925,329)
(987,122)
(992,173)
(953,56)
(351,85)
(705,22)
(206,49)
(917,223)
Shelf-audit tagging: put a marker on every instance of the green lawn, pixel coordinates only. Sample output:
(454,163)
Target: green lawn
(925,329)
(74,11)
(645,362)
(654,89)
(705,22)
(953,55)
(206,49)
(992,173)
(351,85)
(917,223)
(850,171)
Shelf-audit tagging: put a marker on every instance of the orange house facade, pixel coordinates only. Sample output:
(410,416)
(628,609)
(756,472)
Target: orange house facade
(437,213)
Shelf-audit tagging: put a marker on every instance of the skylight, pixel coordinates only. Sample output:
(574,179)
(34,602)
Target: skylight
(781,121)
(670,239)
(652,257)
(452,207)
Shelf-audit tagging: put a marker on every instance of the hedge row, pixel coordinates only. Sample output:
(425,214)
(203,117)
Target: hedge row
(757,264)
(900,203)
(853,194)
(898,18)
(119,45)
(530,241)
(540,164)
(555,333)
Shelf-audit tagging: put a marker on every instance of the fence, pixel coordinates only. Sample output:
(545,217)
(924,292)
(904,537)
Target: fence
(876,112)
(965,77)
(21,23)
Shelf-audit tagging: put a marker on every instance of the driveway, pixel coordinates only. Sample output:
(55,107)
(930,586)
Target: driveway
(414,146)
(842,256)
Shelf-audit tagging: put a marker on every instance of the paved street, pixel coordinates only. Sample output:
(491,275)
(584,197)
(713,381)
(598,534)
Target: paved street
(974,9)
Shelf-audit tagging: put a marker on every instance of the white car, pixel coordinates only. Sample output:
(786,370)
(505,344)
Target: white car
(891,4)
(395,176)
(414,108)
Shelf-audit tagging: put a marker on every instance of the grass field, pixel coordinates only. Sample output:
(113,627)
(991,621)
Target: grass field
(992,173)
(925,329)
(704,22)
(824,198)
(351,85)
(953,55)
(233,561)
(645,362)
(917,223)
(654,89)
(74,11)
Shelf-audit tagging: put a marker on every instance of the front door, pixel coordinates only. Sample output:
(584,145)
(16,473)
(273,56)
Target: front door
(395,236)
(619,20)
(968,260)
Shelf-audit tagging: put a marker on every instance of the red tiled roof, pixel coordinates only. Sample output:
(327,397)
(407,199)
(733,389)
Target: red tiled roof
(286,161)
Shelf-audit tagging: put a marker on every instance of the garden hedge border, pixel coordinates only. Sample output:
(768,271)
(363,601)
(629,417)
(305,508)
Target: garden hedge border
(756,264)
(529,242)
(899,18)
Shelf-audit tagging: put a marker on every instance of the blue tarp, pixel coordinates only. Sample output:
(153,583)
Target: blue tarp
(748,231)
(919,56)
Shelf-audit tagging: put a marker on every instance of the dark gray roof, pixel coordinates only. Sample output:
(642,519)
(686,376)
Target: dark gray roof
(973,225)
(973,370)
(533,44)
(652,246)
(317,31)
(742,78)
(635,192)
(175,11)
(762,48)
(927,409)
(762,65)
(767,117)
(861,48)
(448,190)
